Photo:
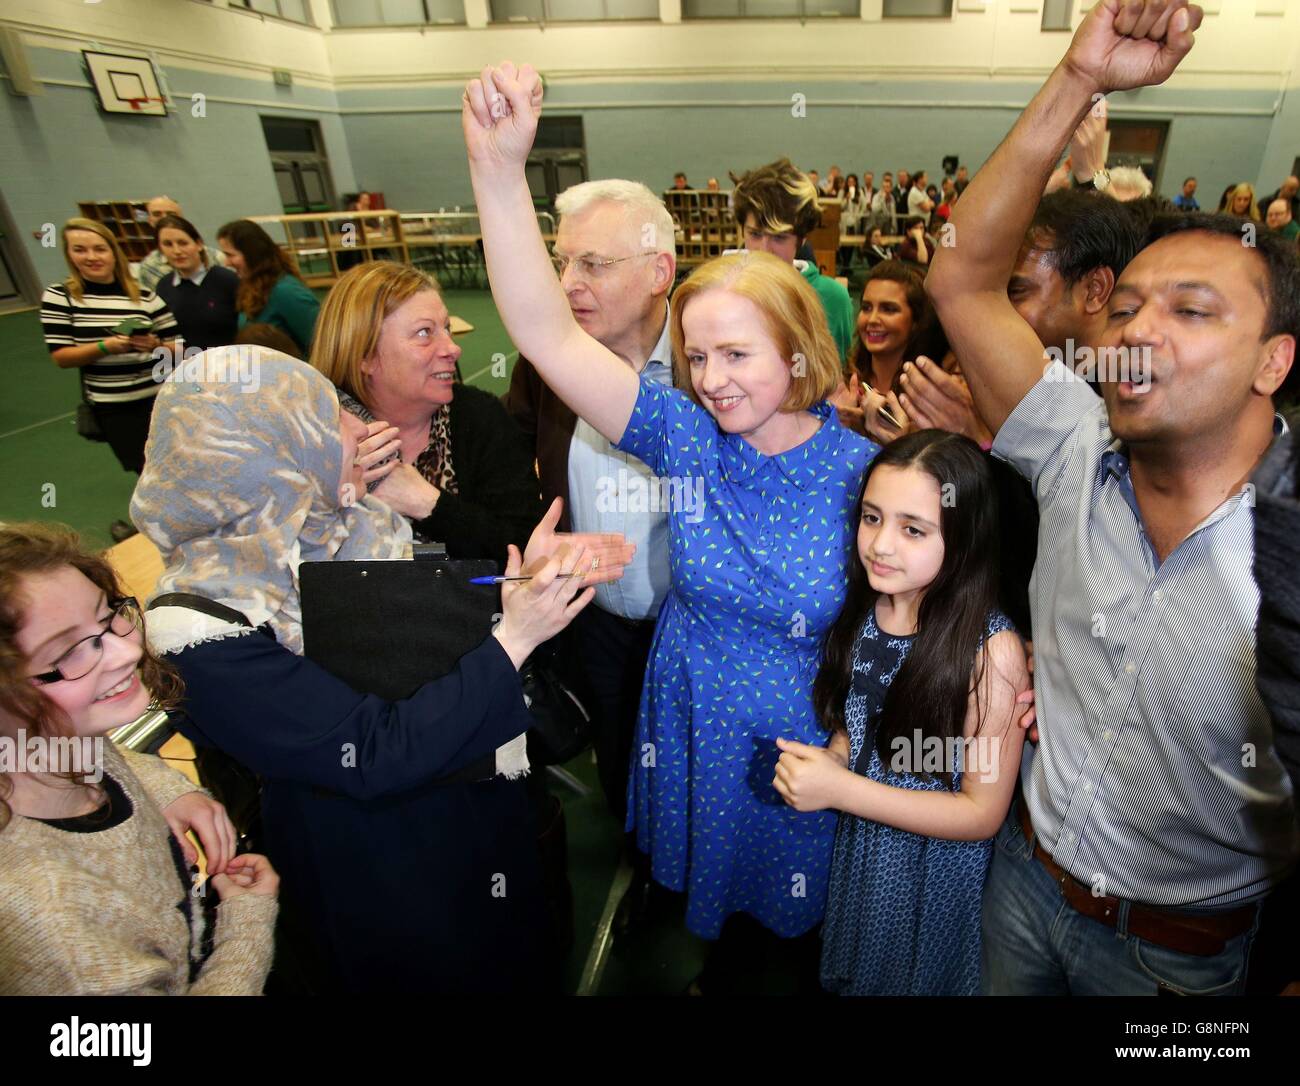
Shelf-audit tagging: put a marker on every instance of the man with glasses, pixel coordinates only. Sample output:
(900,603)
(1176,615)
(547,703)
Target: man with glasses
(777,209)
(615,255)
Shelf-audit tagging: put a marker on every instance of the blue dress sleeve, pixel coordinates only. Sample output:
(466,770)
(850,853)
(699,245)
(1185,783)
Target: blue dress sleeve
(996,624)
(287,718)
(666,427)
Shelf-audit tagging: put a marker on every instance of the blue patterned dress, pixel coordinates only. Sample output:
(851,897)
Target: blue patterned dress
(758,574)
(903,917)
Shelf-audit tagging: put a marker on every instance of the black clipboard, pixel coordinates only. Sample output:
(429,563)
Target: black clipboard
(388,627)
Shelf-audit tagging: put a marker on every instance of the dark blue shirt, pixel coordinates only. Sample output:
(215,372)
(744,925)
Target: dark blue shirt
(205,311)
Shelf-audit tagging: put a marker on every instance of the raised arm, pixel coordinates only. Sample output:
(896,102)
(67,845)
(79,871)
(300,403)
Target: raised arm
(499,119)
(1122,44)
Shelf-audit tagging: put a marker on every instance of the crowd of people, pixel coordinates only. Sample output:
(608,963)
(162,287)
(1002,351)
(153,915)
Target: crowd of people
(114,322)
(961,659)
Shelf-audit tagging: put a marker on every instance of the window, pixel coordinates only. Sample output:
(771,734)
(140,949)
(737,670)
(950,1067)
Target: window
(768,9)
(917,9)
(398,12)
(572,11)
(1058,14)
(296,11)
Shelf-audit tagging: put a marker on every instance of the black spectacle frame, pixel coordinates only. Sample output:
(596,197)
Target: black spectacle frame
(123,606)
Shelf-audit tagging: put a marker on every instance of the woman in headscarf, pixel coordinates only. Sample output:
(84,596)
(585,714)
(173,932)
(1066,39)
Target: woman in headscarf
(395,878)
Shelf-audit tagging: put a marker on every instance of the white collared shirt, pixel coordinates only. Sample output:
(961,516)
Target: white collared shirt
(197,278)
(608,492)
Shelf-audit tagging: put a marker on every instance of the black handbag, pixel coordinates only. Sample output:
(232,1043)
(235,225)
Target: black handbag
(562,728)
(87,424)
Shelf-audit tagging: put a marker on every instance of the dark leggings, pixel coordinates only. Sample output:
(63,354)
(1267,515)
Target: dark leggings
(126,429)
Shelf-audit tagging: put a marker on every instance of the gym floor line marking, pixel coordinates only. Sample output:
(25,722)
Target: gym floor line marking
(477,374)
(599,953)
(44,422)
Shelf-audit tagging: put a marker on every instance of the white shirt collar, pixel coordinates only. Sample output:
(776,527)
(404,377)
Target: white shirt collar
(663,348)
(196,278)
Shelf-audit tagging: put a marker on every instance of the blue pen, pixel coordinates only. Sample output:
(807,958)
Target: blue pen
(503,580)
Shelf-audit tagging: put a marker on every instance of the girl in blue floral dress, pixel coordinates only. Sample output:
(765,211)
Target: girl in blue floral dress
(918,685)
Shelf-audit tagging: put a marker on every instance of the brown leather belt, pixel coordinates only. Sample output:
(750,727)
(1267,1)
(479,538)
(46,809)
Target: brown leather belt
(1203,934)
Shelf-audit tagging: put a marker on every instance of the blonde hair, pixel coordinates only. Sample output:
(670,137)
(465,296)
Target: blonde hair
(792,313)
(1246,187)
(781,198)
(352,315)
(75,285)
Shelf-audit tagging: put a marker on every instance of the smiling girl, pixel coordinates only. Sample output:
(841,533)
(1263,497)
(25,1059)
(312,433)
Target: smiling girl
(757,574)
(895,324)
(95,894)
(918,685)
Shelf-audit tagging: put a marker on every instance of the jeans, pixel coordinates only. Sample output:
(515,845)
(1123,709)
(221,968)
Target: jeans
(1035,943)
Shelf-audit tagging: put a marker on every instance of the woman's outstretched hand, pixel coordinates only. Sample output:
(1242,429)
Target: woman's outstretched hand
(536,610)
(499,115)
(608,553)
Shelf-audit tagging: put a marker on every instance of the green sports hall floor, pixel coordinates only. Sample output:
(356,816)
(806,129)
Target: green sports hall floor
(49,473)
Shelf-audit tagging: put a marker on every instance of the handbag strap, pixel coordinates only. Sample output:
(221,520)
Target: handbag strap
(203,605)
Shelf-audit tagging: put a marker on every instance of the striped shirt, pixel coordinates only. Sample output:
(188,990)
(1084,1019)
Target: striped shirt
(1155,779)
(113,378)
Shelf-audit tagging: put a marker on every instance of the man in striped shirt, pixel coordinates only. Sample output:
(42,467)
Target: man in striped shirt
(1156,816)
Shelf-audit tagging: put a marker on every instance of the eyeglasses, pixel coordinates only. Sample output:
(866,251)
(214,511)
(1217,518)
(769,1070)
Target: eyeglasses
(590,267)
(83,657)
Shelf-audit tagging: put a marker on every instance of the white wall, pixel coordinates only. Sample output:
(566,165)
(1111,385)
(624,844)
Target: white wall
(1001,40)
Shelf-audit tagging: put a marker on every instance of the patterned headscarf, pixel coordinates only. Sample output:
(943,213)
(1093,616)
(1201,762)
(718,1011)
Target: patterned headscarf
(240,485)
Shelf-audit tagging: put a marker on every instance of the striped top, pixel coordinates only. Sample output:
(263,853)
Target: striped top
(1155,778)
(112,378)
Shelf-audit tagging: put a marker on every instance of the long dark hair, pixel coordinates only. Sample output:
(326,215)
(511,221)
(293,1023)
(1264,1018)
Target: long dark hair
(264,264)
(927,336)
(932,688)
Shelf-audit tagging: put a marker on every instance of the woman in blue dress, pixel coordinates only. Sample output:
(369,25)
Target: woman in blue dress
(758,566)
(918,686)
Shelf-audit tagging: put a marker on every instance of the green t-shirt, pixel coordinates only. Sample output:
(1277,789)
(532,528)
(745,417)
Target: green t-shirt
(837,303)
(292,308)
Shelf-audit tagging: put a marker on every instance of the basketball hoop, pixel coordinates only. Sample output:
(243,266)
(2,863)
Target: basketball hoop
(138,105)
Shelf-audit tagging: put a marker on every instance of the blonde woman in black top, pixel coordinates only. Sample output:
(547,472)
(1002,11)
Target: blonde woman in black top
(79,317)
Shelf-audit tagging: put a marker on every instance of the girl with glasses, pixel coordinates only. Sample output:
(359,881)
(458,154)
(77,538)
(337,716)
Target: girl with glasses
(95,887)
